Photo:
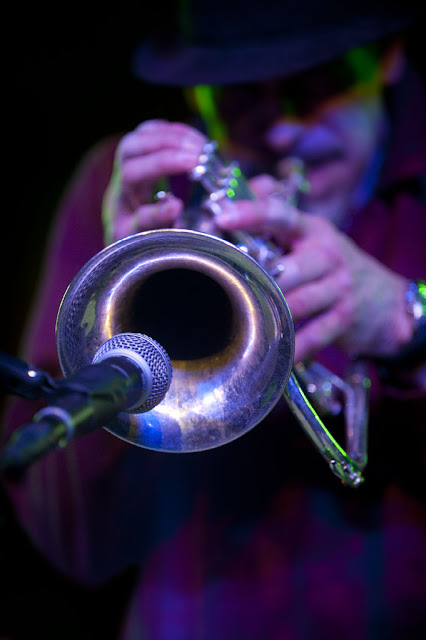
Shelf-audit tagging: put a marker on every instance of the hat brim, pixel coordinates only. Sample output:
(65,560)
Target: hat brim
(179,65)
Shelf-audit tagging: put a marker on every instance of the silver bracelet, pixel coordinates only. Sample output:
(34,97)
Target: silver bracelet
(415,298)
(412,355)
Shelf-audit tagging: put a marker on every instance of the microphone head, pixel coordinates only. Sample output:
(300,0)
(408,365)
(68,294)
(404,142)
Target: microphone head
(152,359)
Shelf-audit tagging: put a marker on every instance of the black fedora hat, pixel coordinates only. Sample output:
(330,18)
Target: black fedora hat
(229,41)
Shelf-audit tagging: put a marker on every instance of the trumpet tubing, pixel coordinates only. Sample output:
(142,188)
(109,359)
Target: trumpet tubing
(226,183)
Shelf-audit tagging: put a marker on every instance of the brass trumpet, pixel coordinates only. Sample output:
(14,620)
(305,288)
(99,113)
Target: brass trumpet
(225,325)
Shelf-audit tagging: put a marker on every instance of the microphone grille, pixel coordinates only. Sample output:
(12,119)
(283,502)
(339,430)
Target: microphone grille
(155,357)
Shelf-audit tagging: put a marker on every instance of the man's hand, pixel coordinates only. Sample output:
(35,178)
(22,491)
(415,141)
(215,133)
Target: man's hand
(155,150)
(337,293)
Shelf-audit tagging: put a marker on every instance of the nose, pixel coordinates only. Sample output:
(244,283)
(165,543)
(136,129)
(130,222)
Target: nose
(283,135)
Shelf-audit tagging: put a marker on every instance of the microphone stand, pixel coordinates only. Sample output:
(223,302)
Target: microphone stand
(22,379)
(84,402)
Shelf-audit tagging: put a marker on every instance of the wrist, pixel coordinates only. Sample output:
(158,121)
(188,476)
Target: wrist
(407,366)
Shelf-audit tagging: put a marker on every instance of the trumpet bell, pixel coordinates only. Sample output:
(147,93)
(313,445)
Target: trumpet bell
(221,318)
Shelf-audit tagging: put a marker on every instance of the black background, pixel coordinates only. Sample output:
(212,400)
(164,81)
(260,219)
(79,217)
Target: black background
(67,83)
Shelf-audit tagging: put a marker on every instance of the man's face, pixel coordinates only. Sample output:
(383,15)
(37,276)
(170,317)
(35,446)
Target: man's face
(332,118)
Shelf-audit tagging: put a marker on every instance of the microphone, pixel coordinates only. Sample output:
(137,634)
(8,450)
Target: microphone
(130,372)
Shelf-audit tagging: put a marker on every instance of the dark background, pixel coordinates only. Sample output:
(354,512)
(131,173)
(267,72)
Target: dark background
(67,83)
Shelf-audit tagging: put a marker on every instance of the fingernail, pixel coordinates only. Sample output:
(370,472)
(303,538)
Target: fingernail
(186,157)
(225,218)
(189,144)
(164,205)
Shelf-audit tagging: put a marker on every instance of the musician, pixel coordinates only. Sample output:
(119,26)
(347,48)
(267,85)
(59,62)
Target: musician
(257,539)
